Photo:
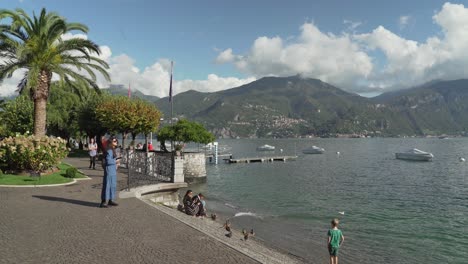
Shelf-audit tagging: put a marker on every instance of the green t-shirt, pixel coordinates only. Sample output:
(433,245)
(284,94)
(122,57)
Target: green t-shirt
(335,235)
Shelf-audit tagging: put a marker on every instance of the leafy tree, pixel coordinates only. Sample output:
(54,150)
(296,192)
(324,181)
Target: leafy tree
(184,131)
(125,115)
(36,45)
(17,116)
(146,117)
(87,118)
(62,111)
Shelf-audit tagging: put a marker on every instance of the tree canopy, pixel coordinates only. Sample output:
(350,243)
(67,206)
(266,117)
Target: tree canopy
(17,116)
(124,115)
(36,45)
(62,111)
(185,131)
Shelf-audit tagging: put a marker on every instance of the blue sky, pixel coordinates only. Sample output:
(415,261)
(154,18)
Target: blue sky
(222,44)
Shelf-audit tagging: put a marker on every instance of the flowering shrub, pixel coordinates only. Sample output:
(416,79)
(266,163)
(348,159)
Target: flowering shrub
(36,154)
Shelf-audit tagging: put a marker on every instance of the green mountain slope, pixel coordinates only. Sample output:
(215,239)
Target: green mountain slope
(295,106)
(122,90)
(434,108)
(282,107)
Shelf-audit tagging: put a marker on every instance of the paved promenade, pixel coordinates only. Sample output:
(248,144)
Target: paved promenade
(64,225)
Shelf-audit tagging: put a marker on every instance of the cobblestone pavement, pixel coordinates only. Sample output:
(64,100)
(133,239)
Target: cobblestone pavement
(65,225)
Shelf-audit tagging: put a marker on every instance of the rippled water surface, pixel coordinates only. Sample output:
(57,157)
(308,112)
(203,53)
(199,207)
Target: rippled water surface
(394,211)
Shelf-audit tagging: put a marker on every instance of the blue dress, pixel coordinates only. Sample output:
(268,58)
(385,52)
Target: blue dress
(109,184)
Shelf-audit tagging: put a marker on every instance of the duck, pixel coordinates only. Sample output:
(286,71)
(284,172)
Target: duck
(227,226)
(246,234)
(213,217)
(461,159)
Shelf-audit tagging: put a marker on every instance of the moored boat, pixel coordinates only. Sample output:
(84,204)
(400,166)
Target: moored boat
(313,150)
(265,148)
(414,154)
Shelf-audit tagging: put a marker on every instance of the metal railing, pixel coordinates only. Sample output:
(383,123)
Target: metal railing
(147,168)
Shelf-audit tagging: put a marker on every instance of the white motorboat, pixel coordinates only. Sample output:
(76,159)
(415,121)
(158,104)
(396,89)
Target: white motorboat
(414,154)
(265,148)
(313,150)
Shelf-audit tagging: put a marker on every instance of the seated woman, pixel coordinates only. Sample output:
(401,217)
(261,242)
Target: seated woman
(190,207)
(200,200)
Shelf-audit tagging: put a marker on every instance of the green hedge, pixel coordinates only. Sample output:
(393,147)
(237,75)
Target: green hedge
(71,172)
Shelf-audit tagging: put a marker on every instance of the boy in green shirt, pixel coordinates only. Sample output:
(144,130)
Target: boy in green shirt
(335,239)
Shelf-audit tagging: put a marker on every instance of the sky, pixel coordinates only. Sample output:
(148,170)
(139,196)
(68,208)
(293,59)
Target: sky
(362,46)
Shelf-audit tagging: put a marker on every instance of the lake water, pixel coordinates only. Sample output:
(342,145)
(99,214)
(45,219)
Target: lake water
(394,211)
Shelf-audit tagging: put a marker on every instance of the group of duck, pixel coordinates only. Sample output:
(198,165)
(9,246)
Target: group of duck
(245,233)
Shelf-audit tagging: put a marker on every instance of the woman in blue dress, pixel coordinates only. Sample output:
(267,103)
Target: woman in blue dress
(109,184)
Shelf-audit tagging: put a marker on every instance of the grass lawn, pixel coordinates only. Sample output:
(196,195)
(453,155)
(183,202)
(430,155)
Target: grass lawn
(54,178)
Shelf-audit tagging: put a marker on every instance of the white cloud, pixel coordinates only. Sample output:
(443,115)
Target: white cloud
(352,25)
(410,62)
(10,85)
(212,84)
(225,56)
(403,21)
(154,80)
(349,61)
(315,54)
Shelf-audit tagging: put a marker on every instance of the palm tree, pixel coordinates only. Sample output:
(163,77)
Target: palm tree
(36,46)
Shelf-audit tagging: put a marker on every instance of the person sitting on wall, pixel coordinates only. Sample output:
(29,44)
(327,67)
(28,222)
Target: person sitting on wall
(190,207)
(200,201)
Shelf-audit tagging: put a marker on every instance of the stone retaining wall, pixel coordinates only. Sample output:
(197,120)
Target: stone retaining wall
(194,167)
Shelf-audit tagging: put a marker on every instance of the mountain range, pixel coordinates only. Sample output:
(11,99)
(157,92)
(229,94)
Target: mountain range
(295,106)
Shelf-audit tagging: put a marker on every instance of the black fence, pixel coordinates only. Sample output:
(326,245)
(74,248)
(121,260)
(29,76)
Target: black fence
(147,168)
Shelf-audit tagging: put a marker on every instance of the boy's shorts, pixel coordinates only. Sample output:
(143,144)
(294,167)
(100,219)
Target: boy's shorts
(333,251)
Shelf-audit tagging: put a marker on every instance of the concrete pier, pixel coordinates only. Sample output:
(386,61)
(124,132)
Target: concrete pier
(261,159)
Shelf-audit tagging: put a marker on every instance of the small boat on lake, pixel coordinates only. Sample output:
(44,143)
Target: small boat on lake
(414,154)
(313,150)
(266,148)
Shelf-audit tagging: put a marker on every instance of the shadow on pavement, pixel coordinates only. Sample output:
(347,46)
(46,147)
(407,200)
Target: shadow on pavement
(65,200)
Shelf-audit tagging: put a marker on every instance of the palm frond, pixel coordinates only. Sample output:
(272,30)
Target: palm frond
(78,44)
(22,84)
(35,43)
(77,26)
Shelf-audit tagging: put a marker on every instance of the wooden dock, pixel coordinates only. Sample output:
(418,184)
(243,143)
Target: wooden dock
(261,159)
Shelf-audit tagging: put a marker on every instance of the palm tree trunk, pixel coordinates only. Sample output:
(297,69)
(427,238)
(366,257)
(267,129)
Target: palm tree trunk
(40,116)
(40,95)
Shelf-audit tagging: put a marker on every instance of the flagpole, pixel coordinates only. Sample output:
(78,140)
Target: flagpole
(170,93)
(171,100)
(129,94)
